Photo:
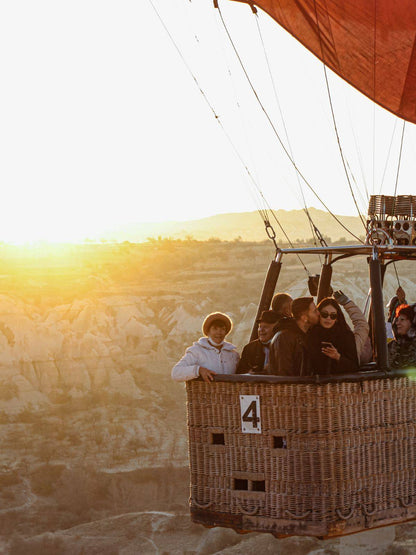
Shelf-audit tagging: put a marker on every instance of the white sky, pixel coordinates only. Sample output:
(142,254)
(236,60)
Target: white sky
(102,125)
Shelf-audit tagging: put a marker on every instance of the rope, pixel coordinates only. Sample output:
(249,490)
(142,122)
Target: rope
(275,130)
(400,158)
(290,242)
(262,212)
(258,198)
(388,156)
(255,197)
(395,188)
(356,185)
(320,238)
(360,159)
(334,120)
(276,96)
(398,165)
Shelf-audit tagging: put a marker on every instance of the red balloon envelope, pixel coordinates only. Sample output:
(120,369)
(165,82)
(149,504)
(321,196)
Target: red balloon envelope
(369,43)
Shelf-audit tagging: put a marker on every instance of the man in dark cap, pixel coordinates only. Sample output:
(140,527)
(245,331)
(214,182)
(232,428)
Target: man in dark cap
(255,356)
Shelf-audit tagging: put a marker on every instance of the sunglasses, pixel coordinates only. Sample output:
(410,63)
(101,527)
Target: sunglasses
(332,315)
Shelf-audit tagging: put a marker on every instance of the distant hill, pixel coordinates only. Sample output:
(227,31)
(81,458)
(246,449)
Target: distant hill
(245,225)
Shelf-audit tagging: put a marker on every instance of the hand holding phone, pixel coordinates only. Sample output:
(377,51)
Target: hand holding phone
(329,350)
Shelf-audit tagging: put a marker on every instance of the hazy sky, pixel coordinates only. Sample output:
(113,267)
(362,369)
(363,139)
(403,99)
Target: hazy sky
(101,123)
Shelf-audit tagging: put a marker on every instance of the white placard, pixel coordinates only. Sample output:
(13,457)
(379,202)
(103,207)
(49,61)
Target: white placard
(250,414)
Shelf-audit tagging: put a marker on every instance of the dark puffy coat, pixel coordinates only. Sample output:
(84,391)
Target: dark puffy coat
(252,358)
(342,339)
(288,354)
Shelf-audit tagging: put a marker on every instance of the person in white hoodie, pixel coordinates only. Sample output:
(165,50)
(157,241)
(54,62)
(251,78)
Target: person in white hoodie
(211,354)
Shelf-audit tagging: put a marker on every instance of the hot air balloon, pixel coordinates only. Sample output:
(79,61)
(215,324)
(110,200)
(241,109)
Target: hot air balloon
(322,455)
(369,44)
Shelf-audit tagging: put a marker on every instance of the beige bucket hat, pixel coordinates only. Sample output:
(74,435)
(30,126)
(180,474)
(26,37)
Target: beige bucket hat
(217,316)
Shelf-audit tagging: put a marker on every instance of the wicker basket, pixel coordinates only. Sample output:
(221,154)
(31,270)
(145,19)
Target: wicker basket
(331,459)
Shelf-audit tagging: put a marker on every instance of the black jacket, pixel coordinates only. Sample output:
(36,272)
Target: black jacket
(252,359)
(342,339)
(288,352)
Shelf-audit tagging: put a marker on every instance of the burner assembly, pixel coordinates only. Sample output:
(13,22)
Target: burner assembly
(391,220)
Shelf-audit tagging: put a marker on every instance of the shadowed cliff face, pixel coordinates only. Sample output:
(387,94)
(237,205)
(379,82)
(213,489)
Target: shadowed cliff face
(91,425)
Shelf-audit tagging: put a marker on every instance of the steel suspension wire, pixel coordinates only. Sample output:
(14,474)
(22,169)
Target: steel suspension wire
(275,130)
(263,212)
(285,234)
(257,199)
(216,116)
(334,120)
(397,180)
(388,156)
(398,168)
(311,223)
(360,160)
(355,183)
(400,158)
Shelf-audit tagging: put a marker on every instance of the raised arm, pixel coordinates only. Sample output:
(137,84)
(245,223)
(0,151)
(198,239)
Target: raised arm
(359,322)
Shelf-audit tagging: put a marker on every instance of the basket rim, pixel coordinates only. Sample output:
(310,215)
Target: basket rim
(361,376)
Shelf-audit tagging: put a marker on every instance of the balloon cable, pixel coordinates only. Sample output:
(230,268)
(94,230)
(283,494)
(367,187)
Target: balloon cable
(334,120)
(277,134)
(315,234)
(262,212)
(400,158)
(388,156)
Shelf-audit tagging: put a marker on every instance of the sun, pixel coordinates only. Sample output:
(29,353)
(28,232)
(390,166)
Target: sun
(47,223)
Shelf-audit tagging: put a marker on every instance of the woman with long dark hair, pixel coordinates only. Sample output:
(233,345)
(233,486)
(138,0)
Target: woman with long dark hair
(331,343)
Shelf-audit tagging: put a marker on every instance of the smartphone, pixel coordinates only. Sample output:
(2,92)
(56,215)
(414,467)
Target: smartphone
(326,344)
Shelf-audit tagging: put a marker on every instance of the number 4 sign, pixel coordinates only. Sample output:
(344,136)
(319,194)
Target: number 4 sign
(250,414)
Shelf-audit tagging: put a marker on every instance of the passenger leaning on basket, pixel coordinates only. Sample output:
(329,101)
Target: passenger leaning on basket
(211,354)
(331,344)
(288,352)
(402,350)
(255,355)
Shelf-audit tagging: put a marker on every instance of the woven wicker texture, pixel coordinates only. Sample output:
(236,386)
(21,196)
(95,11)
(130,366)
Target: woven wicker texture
(336,453)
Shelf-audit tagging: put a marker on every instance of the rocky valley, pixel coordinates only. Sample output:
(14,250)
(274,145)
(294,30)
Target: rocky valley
(93,439)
